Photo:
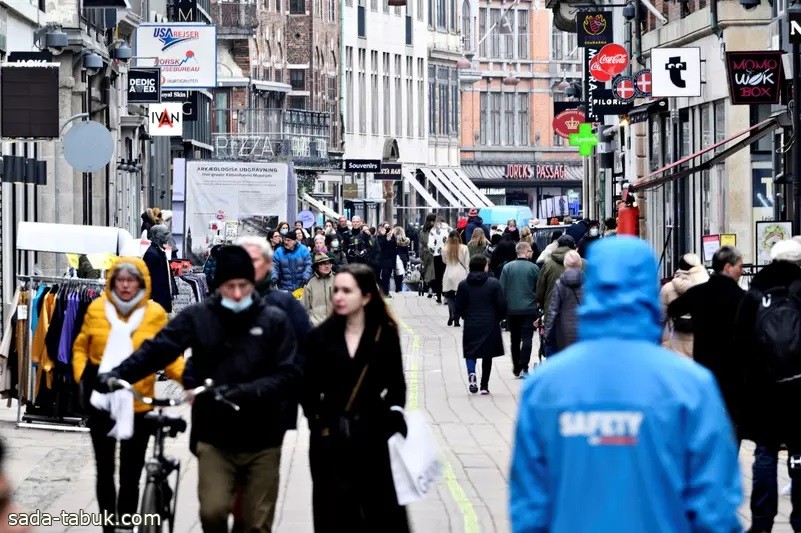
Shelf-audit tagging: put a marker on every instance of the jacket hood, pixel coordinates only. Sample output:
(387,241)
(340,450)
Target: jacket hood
(477,278)
(476,220)
(621,292)
(684,279)
(140,266)
(777,273)
(573,278)
(558,255)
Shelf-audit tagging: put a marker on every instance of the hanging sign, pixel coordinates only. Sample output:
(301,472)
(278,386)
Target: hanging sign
(187,53)
(594,28)
(794,22)
(585,139)
(144,85)
(567,122)
(610,61)
(754,77)
(165,120)
(676,72)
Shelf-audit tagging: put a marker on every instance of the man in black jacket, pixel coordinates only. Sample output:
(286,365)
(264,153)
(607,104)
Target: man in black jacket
(248,349)
(713,306)
(157,262)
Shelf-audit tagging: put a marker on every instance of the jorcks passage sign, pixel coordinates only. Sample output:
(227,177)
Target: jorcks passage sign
(186,53)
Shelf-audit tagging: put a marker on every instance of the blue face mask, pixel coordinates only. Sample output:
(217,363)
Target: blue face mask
(238,307)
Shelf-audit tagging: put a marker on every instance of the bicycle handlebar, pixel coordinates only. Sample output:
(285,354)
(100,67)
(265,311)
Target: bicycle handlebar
(187,396)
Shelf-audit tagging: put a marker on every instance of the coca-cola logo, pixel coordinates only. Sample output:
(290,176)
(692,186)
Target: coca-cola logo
(754,77)
(610,61)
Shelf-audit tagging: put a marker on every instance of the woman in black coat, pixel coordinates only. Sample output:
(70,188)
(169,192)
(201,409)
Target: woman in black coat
(480,301)
(354,376)
(387,256)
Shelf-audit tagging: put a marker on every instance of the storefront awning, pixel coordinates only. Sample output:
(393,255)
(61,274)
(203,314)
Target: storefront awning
(749,136)
(441,187)
(318,205)
(408,175)
(472,198)
(640,113)
(453,187)
(484,172)
(472,186)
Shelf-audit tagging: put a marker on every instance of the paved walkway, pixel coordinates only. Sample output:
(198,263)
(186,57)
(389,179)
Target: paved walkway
(53,470)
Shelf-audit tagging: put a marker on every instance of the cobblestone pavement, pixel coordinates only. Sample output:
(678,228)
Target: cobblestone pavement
(53,470)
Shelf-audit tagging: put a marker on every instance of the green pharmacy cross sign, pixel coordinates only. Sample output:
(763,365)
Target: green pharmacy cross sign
(585,139)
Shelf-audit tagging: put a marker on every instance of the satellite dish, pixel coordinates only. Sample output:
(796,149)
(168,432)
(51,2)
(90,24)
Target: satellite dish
(88,146)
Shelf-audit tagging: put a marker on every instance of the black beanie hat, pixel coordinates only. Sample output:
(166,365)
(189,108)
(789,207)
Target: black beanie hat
(233,262)
(566,240)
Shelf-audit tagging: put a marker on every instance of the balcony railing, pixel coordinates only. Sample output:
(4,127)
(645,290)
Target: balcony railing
(271,134)
(232,15)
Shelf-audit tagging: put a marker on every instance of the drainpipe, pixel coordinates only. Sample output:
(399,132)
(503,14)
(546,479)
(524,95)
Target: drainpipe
(638,33)
(713,19)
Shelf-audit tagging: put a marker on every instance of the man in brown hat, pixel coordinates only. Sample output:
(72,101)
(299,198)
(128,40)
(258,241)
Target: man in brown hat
(317,293)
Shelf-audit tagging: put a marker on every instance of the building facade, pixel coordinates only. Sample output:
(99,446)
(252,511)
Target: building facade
(701,166)
(520,66)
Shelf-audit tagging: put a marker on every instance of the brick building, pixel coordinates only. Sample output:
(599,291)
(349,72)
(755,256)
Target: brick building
(509,148)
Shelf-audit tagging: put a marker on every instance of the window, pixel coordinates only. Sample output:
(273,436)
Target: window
(297,79)
(430,13)
(483,120)
(387,96)
(523,125)
(398,98)
(467,26)
(441,14)
(297,102)
(495,118)
(522,34)
(563,44)
(509,119)
(278,6)
(419,9)
(455,97)
(495,37)
(374,96)
(720,121)
(349,89)
(444,100)
(409,97)
(318,8)
(482,30)
(408,30)
(421,114)
(432,99)
(361,19)
(332,9)
(373,5)
(385,6)
(362,91)
(297,7)
(506,29)
(452,15)
(221,112)
(557,139)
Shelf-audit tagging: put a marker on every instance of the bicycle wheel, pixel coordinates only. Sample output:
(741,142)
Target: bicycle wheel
(150,507)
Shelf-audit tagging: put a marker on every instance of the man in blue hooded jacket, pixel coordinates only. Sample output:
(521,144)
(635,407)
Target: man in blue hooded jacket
(616,434)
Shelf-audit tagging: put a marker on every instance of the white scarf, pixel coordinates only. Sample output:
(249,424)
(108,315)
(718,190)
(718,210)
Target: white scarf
(119,347)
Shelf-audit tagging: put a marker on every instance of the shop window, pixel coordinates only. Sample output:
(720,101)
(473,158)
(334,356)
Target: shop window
(297,7)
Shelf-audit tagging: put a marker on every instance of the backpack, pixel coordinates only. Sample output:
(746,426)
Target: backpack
(777,332)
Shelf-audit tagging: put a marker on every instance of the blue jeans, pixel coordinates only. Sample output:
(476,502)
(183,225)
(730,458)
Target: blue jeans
(765,492)
(486,369)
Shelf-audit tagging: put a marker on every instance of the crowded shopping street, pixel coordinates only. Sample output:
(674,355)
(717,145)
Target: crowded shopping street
(53,471)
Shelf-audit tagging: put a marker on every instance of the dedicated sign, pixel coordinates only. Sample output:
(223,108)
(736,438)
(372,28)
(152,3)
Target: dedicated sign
(676,72)
(187,53)
(144,85)
(754,77)
(165,120)
(362,165)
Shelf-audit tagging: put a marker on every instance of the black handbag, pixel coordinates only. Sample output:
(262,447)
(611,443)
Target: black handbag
(87,384)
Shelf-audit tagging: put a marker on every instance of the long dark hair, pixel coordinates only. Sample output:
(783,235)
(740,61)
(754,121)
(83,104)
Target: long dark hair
(431,219)
(376,311)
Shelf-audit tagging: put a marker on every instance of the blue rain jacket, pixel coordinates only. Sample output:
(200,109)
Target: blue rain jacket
(616,434)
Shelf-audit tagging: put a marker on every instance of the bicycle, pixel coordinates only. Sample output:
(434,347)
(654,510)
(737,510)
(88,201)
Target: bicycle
(158,497)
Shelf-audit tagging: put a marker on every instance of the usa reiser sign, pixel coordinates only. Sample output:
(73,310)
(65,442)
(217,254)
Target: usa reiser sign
(187,53)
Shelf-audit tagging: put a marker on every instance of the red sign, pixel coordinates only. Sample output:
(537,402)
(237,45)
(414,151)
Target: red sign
(536,172)
(624,88)
(643,80)
(567,122)
(610,61)
(755,77)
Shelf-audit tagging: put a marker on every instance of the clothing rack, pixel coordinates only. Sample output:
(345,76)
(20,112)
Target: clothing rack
(33,421)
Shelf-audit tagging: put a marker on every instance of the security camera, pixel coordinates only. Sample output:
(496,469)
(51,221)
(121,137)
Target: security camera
(749,4)
(122,52)
(92,63)
(629,12)
(56,42)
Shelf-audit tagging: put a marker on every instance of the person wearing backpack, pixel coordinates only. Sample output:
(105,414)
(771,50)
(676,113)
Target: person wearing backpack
(768,334)
(713,307)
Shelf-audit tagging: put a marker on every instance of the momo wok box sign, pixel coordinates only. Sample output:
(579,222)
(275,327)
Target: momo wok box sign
(754,77)
(186,54)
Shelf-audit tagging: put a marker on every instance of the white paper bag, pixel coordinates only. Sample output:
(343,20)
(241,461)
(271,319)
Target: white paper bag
(399,270)
(416,467)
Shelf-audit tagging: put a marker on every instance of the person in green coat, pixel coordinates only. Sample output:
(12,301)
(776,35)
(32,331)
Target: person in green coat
(519,282)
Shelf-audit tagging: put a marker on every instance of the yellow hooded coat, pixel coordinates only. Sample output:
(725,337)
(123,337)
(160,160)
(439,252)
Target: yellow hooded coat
(91,342)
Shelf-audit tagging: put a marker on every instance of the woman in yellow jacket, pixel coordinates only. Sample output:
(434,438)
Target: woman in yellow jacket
(116,324)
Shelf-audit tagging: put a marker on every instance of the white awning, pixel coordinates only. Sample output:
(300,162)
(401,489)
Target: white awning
(472,198)
(441,187)
(472,186)
(319,206)
(408,175)
(448,182)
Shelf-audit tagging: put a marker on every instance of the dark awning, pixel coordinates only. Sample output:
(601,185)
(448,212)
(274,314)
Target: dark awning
(754,133)
(641,112)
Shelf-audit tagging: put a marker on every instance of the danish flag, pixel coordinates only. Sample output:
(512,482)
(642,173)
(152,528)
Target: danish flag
(625,89)
(644,82)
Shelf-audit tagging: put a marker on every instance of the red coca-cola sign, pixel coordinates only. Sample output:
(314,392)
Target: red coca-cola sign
(610,61)
(567,122)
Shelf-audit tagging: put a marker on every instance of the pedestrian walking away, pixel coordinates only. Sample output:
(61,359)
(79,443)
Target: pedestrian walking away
(598,446)
(353,391)
(248,349)
(456,257)
(480,301)
(561,325)
(678,332)
(518,282)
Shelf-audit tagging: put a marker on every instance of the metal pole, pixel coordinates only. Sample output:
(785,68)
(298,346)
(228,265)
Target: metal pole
(796,139)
